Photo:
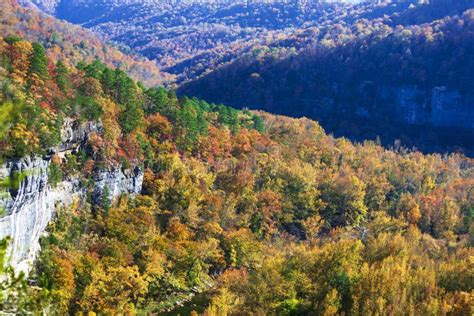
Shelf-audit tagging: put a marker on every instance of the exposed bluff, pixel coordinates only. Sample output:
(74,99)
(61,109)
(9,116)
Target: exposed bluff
(29,201)
(432,119)
(438,107)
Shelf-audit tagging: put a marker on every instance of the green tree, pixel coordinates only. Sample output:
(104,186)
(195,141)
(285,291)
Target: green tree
(108,81)
(95,69)
(159,100)
(62,76)
(12,39)
(39,62)
(105,201)
(55,174)
(190,124)
(131,118)
(125,89)
(14,296)
(258,123)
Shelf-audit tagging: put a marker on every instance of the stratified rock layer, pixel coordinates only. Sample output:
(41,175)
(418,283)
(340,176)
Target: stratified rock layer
(28,203)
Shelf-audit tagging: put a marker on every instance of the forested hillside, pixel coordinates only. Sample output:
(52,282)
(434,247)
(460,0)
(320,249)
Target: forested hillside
(240,212)
(395,71)
(191,38)
(74,44)
(366,79)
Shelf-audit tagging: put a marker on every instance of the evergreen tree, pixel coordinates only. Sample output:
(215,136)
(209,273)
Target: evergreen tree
(108,81)
(125,89)
(95,70)
(159,98)
(61,76)
(39,62)
(105,201)
(12,39)
(258,123)
(131,118)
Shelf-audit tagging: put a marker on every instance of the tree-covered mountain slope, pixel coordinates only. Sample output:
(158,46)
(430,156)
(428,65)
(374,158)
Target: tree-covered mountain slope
(397,71)
(74,44)
(240,212)
(367,79)
(190,38)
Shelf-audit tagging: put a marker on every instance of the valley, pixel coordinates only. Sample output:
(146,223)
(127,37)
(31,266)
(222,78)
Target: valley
(311,58)
(220,158)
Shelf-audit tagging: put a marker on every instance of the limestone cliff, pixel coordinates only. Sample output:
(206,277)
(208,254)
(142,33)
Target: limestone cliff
(29,202)
(437,107)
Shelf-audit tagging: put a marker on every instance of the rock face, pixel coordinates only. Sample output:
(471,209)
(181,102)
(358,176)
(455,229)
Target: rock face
(73,135)
(437,107)
(118,182)
(29,202)
(440,107)
(28,209)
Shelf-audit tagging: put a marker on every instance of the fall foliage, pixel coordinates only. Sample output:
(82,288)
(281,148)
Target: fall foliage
(240,213)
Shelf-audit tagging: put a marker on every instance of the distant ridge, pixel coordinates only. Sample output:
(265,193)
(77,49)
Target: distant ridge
(73,43)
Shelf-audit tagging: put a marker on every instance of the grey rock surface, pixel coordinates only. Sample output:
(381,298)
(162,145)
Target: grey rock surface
(29,206)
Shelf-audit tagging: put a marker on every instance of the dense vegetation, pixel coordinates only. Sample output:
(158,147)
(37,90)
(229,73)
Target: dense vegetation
(363,69)
(37,95)
(352,76)
(186,37)
(73,44)
(240,213)
(347,56)
(191,38)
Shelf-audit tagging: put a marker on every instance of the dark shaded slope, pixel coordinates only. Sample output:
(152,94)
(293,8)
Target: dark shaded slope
(364,86)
